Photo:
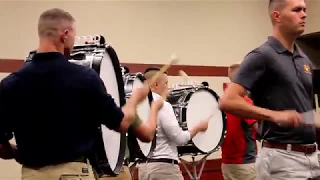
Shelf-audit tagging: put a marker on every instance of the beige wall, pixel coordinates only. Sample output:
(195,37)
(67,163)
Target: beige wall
(213,33)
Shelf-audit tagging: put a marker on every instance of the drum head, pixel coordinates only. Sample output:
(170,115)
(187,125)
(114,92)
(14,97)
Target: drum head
(201,105)
(114,142)
(143,112)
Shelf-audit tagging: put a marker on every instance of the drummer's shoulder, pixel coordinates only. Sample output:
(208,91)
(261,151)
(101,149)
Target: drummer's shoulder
(157,96)
(9,80)
(86,75)
(84,70)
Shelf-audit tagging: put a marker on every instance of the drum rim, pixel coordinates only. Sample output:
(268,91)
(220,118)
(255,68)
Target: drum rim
(224,119)
(139,154)
(123,140)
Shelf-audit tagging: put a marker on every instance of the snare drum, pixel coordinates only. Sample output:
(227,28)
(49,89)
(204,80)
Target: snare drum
(192,104)
(137,148)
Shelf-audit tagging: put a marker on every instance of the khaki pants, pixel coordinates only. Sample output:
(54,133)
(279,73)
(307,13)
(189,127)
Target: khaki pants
(66,171)
(123,175)
(277,164)
(239,171)
(159,171)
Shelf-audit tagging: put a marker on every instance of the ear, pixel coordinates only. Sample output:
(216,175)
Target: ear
(276,16)
(156,84)
(66,32)
(64,36)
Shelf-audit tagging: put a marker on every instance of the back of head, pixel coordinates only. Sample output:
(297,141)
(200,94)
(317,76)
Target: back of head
(150,72)
(53,20)
(57,26)
(160,86)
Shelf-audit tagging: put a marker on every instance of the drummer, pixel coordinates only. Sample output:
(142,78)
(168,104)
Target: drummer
(164,162)
(54,107)
(239,148)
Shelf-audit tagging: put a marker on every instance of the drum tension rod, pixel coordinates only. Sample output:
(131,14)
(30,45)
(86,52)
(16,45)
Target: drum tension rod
(194,164)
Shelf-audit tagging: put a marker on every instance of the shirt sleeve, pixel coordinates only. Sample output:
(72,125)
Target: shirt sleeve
(251,70)
(171,127)
(5,133)
(107,111)
(250,122)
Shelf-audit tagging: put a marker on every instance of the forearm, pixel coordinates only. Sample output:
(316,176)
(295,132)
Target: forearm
(240,107)
(193,132)
(145,131)
(7,151)
(129,111)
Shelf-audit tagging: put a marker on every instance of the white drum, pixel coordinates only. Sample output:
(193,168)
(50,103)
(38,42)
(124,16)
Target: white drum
(109,154)
(192,104)
(138,148)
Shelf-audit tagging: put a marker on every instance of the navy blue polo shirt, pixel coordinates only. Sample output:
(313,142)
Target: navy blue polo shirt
(54,108)
(279,80)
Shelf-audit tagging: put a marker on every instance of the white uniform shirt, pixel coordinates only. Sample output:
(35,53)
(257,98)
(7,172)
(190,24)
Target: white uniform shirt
(169,134)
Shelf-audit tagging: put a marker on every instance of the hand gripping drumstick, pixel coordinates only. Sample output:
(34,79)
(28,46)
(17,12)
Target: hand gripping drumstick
(316,119)
(312,118)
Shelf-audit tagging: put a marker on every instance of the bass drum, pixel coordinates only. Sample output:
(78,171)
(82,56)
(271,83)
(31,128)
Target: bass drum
(192,104)
(109,152)
(137,148)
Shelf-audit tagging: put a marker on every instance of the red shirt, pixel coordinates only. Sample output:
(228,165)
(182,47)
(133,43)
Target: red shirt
(239,146)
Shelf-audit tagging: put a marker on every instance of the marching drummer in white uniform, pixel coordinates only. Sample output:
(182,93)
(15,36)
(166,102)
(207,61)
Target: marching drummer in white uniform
(164,162)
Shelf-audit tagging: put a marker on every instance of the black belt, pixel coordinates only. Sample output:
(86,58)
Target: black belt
(161,160)
(307,149)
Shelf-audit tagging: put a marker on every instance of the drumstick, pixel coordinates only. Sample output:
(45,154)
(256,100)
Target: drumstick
(316,102)
(316,119)
(184,75)
(164,68)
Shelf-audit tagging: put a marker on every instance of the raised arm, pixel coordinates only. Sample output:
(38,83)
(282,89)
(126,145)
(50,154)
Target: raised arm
(108,113)
(145,131)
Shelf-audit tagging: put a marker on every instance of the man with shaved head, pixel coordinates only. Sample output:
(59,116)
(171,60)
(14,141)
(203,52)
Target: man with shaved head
(279,77)
(54,107)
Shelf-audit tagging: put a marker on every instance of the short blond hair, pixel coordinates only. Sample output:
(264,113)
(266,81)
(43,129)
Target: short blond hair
(50,21)
(233,67)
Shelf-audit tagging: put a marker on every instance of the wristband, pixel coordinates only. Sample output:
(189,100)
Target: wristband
(136,123)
